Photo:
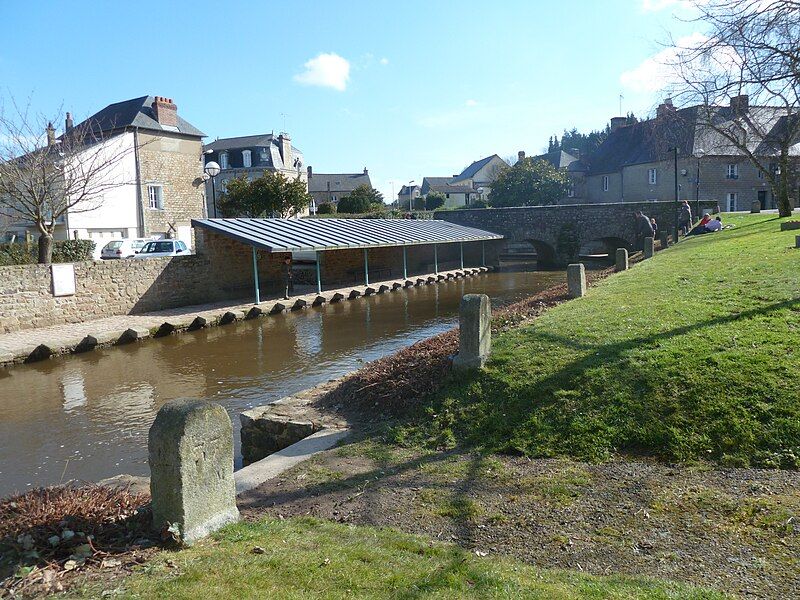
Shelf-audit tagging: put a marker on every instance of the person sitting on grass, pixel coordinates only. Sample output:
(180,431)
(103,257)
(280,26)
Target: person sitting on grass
(710,226)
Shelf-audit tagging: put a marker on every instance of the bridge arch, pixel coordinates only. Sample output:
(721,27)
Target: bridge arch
(545,252)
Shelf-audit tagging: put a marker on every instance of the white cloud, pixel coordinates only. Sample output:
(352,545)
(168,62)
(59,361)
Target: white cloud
(326,70)
(656,72)
(659,5)
(471,102)
(384,61)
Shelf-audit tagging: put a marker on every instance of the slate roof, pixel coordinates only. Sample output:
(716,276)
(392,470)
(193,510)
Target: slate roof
(471,170)
(297,235)
(651,140)
(244,142)
(340,182)
(562,160)
(445,185)
(136,112)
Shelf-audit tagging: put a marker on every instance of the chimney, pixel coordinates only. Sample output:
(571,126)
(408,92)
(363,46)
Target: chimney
(740,104)
(165,111)
(617,122)
(520,155)
(310,172)
(68,125)
(285,143)
(665,108)
(51,135)
(576,152)
(365,171)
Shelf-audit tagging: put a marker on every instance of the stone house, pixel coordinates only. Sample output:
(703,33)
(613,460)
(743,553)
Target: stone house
(407,195)
(250,155)
(480,174)
(331,187)
(456,194)
(636,163)
(576,171)
(160,174)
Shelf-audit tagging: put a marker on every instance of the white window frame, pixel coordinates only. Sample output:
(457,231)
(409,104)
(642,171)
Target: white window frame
(155,196)
(247,158)
(223,160)
(732,171)
(732,196)
(652,176)
(571,189)
(605,183)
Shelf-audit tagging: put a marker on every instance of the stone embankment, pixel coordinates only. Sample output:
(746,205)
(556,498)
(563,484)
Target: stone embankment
(32,345)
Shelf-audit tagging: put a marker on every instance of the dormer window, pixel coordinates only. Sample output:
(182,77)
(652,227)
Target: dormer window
(264,155)
(223,160)
(247,160)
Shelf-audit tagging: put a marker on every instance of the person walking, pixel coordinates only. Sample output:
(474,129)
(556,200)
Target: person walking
(288,280)
(684,218)
(654,225)
(643,228)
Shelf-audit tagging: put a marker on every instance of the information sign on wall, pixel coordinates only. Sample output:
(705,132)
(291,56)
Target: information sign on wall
(63,280)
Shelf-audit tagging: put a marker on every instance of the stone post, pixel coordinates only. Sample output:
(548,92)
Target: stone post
(649,248)
(663,238)
(576,280)
(797,241)
(191,468)
(474,332)
(622,260)
(755,206)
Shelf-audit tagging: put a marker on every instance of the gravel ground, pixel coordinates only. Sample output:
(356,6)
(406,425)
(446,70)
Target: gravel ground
(733,529)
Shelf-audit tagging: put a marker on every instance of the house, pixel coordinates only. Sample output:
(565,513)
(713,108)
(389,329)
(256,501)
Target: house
(250,156)
(456,194)
(332,187)
(160,174)
(576,171)
(481,173)
(407,196)
(636,163)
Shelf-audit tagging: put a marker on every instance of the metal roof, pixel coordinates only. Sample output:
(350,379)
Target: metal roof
(286,235)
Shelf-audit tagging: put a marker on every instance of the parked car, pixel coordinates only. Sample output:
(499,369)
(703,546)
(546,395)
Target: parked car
(157,248)
(125,248)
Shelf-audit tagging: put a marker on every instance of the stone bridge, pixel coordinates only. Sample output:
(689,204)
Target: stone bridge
(560,233)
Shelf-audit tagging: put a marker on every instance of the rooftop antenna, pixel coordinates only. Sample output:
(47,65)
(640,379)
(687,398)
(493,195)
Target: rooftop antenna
(620,105)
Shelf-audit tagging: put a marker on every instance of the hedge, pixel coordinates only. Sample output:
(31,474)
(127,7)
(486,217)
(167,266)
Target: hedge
(63,251)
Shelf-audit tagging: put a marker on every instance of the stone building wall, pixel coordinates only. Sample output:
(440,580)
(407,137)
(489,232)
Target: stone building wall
(175,163)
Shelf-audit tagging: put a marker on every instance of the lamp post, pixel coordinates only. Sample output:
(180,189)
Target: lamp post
(677,202)
(480,193)
(212,169)
(698,154)
(411,195)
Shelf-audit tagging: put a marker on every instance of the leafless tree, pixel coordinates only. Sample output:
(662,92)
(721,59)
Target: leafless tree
(43,177)
(749,61)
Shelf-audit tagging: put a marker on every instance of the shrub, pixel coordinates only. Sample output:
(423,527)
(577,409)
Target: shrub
(63,251)
(326,208)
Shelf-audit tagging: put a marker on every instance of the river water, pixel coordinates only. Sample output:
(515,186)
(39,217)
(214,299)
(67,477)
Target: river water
(86,416)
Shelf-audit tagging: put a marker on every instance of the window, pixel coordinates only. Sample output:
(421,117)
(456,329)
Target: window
(155,197)
(652,176)
(733,171)
(247,161)
(223,160)
(264,155)
(605,183)
(732,201)
(571,189)
(760,174)
(447,195)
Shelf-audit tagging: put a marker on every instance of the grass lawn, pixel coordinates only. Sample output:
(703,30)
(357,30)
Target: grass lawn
(692,355)
(306,558)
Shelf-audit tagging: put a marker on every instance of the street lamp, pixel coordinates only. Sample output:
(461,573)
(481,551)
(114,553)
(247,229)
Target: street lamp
(212,169)
(480,191)
(698,154)
(677,203)
(411,195)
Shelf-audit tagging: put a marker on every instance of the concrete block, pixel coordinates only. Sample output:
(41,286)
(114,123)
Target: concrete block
(649,247)
(40,352)
(299,303)
(369,290)
(383,288)
(253,313)
(133,334)
(755,206)
(408,283)
(576,280)
(621,260)
(797,241)
(278,307)
(190,451)
(474,332)
(228,317)
(337,297)
(198,323)
(166,328)
(663,238)
(353,294)
(319,299)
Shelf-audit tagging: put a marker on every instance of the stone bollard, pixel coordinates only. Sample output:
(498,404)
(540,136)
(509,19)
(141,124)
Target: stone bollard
(663,238)
(797,241)
(191,468)
(755,206)
(622,260)
(474,332)
(649,248)
(576,280)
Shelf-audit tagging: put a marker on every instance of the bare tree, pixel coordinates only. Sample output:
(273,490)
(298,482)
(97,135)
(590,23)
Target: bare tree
(44,177)
(749,60)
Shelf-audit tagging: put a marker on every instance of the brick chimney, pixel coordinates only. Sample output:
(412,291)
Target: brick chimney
(285,143)
(68,124)
(365,171)
(165,111)
(665,108)
(310,171)
(740,104)
(617,122)
(520,155)
(51,135)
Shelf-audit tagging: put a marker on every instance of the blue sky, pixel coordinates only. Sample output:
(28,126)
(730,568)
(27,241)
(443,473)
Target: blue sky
(407,89)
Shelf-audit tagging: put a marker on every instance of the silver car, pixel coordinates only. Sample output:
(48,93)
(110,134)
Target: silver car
(124,248)
(159,248)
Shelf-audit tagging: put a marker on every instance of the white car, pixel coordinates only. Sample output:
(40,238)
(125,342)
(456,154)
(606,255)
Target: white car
(158,248)
(125,248)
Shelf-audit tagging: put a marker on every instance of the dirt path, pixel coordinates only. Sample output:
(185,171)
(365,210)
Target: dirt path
(733,529)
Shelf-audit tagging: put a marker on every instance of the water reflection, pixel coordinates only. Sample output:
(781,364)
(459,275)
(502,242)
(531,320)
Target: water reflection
(86,416)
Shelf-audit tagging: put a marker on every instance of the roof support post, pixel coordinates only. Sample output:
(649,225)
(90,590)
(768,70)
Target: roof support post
(461,250)
(255,275)
(405,264)
(319,277)
(483,253)
(366,266)
(435,260)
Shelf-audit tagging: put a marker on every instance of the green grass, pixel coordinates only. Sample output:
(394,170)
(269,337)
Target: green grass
(306,558)
(692,355)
